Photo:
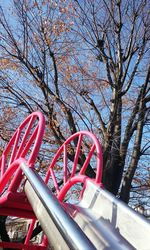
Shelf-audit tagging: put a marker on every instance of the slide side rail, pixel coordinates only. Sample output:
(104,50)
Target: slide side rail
(61,230)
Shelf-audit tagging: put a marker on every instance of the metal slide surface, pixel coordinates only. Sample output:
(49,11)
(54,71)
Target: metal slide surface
(110,223)
(98,221)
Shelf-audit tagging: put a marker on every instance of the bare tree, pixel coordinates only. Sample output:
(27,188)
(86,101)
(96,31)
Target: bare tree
(84,64)
(117,32)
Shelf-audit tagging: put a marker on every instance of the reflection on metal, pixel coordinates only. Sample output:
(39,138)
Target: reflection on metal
(61,231)
(110,223)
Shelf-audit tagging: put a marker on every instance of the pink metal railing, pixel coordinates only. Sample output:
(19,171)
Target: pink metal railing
(23,148)
(74,177)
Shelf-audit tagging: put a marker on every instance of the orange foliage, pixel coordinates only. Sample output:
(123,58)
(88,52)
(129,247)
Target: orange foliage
(8,64)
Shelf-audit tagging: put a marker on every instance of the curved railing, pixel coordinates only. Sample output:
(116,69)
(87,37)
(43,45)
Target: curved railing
(97,220)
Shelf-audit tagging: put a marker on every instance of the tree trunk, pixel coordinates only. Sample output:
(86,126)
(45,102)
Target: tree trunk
(113,169)
(126,186)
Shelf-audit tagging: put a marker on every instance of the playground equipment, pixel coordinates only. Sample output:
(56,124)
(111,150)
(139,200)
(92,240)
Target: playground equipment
(74,211)
(22,147)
